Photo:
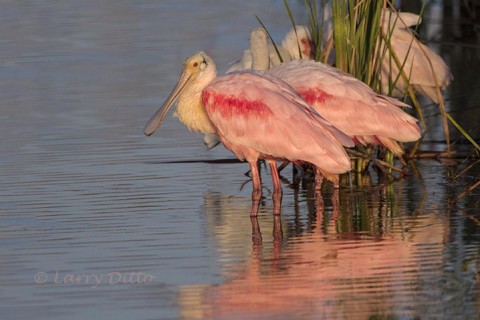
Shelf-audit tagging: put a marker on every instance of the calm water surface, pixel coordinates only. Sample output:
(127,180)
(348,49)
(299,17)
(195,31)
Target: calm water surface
(98,221)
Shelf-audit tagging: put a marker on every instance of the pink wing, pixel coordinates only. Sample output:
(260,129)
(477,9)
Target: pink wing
(417,66)
(260,116)
(347,103)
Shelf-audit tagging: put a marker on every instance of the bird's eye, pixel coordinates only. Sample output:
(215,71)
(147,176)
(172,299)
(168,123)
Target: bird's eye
(195,64)
(304,40)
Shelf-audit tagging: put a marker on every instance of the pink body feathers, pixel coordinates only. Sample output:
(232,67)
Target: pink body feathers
(261,117)
(349,104)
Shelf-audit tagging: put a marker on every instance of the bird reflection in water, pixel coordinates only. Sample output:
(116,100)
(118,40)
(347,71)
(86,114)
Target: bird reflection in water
(322,264)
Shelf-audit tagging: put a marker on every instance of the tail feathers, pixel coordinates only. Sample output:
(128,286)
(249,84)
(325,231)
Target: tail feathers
(430,92)
(410,131)
(391,145)
(388,143)
(330,177)
(341,137)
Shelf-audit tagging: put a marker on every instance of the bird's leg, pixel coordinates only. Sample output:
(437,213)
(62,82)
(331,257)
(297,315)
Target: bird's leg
(256,233)
(257,183)
(255,206)
(257,187)
(318,179)
(319,208)
(318,194)
(277,188)
(336,181)
(336,203)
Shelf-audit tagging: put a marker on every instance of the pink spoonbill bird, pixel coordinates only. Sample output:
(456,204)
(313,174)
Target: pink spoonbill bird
(297,44)
(350,105)
(424,68)
(343,100)
(256,116)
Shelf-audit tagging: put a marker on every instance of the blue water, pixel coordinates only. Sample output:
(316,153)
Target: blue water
(99,221)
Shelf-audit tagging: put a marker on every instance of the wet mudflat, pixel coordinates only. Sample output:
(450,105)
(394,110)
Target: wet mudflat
(98,221)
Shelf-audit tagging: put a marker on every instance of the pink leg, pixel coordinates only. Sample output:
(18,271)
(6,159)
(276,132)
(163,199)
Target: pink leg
(256,233)
(255,207)
(318,193)
(257,183)
(336,182)
(277,188)
(257,187)
(320,208)
(336,203)
(318,180)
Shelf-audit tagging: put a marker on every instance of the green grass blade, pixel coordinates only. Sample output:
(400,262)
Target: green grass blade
(465,134)
(292,21)
(271,39)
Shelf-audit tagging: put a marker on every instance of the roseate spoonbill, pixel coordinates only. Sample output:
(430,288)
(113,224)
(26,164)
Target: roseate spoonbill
(297,44)
(424,68)
(343,100)
(256,116)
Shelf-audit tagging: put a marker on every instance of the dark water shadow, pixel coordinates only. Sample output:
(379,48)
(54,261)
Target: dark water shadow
(212,161)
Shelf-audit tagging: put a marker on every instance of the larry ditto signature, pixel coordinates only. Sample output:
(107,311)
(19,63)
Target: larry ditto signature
(92,279)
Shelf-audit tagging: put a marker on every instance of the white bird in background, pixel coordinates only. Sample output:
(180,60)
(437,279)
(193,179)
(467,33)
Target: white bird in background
(297,44)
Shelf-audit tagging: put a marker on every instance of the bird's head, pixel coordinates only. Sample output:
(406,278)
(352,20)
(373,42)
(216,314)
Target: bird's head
(197,67)
(299,44)
(198,71)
